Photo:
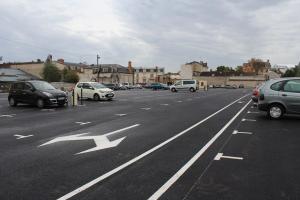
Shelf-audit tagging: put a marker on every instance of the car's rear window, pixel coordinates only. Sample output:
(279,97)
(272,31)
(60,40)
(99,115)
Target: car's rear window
(277,86)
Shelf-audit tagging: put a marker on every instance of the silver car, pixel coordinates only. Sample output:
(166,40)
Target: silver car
(280,96)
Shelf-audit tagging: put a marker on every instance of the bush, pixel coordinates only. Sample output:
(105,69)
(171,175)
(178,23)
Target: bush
(51,73)
(71,76)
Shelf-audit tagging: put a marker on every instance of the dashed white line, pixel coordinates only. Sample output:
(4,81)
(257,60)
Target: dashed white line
(145,108)
(250,112)
(121,167)
(236,132)
(249,120)
(184,168)
(10,115)
(164,104)
(82,123)
(120,115)
(220,155)
(22,136)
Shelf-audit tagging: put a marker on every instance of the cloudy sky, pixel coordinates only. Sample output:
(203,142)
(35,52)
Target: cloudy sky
(164,33)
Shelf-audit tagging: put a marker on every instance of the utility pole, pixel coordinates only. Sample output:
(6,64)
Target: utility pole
(156,74)
(99,68)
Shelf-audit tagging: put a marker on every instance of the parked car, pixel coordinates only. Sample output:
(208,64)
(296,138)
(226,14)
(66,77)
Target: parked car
(189,85)
(137,86)
(147,86)
(280,96)
(128,85)
(156,86)
(122,87)
(165,86)
(241,86)
(230,86)
(112,86)
(39,93)
(93,90)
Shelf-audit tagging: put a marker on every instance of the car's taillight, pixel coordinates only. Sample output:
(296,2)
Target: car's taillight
(261,97)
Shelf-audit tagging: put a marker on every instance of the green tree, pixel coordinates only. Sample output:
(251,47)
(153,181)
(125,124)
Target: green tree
(51,73)
(239,69)
(71,77)
(224,69)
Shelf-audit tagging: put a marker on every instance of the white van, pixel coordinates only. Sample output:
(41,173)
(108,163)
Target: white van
(188,85)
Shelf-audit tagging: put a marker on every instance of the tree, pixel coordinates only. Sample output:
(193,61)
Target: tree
(71,77)
(51,73)
(239,69)
(224,69)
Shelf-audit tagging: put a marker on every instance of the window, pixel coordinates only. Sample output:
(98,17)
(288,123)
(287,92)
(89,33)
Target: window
(140,70)
(27,86)
(151,75)
(188,82)
(277,86)
(105,70)
(148,70)
(86,86)
(79,85)
(18,86)
(292,86)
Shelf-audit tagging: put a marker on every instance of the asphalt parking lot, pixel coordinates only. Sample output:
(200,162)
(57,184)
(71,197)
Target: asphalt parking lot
(149,145)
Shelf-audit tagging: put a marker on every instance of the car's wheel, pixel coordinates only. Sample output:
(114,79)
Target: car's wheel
(13,102)
(275,111)
(96,97)
(173,90)
(192,89)
(40,103)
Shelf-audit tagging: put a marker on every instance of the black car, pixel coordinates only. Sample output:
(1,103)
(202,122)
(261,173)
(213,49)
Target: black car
(112,86)
(39,93)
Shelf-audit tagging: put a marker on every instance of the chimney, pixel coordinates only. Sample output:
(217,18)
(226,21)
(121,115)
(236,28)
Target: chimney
(61,61)
(130,67)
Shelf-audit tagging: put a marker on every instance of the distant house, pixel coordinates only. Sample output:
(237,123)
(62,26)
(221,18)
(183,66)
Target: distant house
(256,67)
(148,74)
(191,69)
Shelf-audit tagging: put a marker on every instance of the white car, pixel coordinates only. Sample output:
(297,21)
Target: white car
(93,90)
(190,85)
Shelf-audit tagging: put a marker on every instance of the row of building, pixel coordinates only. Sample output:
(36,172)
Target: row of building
(252,72)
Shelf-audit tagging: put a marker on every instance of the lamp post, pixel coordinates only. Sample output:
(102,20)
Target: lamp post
(99,68)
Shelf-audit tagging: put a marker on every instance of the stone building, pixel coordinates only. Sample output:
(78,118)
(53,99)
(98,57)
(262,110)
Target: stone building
(148,75)
(256,67)
(191,69)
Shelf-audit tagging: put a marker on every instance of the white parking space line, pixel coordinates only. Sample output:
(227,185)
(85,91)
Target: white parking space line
(179,101)
(145,108)
(120,115)
(250,112)
(82,123)
(164,104)
(22,136)
(130,162)
(10,115)
(220,155)
(241,102)
(184,168)
(241,132)
(248,120)
(48,110)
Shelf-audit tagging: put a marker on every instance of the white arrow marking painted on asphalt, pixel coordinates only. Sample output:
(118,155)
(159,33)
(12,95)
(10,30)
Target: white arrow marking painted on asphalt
(220,155)
(22,136)
(236,132)
(145,108)
(120,115)
(11,115)
(252,112)
(101,141)
(82,123)
(249,120)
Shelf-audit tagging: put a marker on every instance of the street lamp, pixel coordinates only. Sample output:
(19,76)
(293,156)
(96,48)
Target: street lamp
(99,68)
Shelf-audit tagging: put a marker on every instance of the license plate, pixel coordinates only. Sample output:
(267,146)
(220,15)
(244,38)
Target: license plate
(61,98)
(110,95)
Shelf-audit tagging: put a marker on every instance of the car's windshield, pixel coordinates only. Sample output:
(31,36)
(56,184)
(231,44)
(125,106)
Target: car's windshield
(98,85)
(41,85)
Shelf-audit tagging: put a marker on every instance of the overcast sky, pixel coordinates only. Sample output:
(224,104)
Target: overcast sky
(150,33)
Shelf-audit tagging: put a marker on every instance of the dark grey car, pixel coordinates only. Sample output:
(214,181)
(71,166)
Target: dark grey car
(280,96)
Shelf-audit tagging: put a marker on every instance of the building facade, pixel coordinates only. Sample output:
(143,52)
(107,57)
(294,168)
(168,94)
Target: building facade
(256,67)
(194,68)
(148,75)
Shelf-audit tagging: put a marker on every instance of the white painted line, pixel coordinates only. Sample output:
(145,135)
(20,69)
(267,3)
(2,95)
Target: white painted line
(22,136)
(145,108)
(120,115)
(179,101)
(124,165)
(164,104)
(82,123)
(236,132)
(184,168)
(10,115)
(220,155)
(48,110)
(250,112)
(241,102)
(249,120)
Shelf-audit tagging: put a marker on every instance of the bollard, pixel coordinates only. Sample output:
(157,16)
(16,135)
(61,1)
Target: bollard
(81,96)
(74,98)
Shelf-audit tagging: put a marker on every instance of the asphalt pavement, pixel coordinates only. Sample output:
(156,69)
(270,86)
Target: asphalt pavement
(149,145)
